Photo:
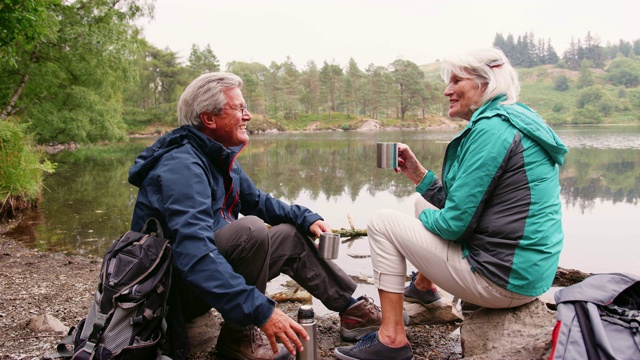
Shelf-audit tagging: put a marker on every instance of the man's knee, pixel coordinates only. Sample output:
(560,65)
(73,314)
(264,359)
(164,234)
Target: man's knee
(254,234)
(244,236)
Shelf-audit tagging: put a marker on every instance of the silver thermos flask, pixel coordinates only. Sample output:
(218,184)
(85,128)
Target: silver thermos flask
(307,320)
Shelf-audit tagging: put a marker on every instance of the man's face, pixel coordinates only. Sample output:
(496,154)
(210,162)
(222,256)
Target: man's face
(230,127)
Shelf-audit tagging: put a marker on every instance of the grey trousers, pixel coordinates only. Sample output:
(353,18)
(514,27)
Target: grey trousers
(260,254)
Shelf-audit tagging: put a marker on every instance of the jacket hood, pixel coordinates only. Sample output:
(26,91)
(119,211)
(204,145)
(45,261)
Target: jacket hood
(527,121)
(149,157)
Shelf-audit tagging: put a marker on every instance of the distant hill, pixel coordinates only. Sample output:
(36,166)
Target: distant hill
(600,102)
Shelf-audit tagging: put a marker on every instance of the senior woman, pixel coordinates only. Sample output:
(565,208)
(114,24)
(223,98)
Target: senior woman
(490,231)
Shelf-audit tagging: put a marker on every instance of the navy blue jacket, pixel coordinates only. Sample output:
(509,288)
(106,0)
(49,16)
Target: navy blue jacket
(194,186)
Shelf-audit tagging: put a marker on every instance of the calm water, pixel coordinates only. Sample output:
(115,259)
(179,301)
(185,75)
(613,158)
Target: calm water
(89,202)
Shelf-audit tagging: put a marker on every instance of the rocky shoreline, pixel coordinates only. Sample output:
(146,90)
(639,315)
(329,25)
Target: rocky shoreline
(34,284)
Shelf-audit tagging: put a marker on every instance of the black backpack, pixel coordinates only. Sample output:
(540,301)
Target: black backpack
(598,318)
(126,320)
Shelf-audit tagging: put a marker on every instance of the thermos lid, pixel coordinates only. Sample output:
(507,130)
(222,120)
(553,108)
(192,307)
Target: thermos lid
(305,312)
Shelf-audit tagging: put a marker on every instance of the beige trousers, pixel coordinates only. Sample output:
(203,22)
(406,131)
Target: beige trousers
(396,238)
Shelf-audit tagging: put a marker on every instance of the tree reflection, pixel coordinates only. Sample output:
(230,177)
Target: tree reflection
(88,202)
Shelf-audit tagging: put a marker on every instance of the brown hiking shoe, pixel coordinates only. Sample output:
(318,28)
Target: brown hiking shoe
(247,344)
(360,319)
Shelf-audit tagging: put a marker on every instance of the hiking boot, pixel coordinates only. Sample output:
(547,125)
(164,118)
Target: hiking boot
(247,344)
(428,298)
(370,348)
(362,318)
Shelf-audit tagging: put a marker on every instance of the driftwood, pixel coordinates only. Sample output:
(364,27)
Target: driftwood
(567,277)
(293,296)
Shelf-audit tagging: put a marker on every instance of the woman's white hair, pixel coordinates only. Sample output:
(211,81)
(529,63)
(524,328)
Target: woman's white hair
(488,67)
(206,93)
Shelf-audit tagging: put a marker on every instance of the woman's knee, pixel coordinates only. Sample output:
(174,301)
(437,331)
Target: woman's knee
(382,223)
(381,217)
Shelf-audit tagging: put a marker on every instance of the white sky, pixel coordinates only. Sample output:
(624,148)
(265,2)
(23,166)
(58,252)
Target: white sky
(377,31)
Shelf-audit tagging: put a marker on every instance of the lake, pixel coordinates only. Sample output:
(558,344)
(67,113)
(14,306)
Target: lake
(88,201)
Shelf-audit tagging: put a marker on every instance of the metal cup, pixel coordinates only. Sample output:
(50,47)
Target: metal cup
(329,245)
(387,155)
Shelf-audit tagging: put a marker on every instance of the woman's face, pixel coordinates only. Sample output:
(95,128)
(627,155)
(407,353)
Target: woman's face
(463,92)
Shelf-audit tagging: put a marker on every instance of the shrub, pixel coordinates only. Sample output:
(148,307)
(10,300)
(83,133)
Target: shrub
(21,171)
(561,83)
(557,107)
(587,115)
(589,96)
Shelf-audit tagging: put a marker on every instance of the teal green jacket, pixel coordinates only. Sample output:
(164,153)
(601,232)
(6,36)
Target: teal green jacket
(500,197)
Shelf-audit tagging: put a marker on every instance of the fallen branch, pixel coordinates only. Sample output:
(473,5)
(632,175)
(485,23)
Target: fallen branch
(351,233)
(301,296)
(567,277)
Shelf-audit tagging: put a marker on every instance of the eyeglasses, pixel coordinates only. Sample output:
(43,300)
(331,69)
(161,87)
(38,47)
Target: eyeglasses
(243,109)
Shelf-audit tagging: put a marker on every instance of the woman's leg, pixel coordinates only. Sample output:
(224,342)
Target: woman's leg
(393,236)
(396,237)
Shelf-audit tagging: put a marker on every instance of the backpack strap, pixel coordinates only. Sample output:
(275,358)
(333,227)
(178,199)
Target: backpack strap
(155,225)
(635,330)
(62,351)
(587,332)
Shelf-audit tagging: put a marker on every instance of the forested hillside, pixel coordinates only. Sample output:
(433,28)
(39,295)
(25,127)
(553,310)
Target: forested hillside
(80,71)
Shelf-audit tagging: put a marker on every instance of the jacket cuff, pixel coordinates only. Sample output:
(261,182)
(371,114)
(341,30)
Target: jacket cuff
(264,311)
(426,181)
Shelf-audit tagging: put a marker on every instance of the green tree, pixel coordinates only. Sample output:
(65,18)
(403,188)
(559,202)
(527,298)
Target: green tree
(351,87)
(593,51)
(572,56)
(378,89)
(275,88)
(432,100)
(408,79)
(624,71)
(310,88)
(153,98)
(586,76)
(202,60)
(23,25)
(290,79)
(528,51)
(253,75)
(68,85)
(330,79)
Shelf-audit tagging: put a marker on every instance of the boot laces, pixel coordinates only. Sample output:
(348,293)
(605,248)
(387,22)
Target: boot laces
(366,341)
(255,338)
(370,305)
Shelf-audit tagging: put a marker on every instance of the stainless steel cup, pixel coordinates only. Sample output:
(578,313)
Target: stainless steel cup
(387,155)
(329,245)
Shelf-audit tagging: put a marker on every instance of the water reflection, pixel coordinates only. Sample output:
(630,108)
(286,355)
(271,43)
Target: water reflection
(88,201)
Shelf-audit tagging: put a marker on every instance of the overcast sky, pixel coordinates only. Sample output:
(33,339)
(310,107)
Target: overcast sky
(377,31)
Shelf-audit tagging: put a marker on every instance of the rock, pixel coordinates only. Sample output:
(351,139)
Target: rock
(370,125)
(47,323)
(441,312)
(203,334)
(518,333)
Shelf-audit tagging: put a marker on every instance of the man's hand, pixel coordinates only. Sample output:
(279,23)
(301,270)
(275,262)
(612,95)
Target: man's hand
(281,326)
(318,227)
